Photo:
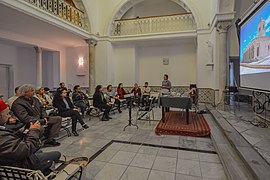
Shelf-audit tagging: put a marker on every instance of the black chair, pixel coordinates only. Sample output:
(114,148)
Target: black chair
(144,112)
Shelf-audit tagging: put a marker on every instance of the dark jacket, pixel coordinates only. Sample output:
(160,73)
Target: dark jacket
(78,97)
(16,151)
(99,99)
(28,110)
(61,106)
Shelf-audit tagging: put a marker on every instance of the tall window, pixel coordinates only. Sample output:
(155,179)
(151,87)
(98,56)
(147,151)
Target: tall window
(258,51)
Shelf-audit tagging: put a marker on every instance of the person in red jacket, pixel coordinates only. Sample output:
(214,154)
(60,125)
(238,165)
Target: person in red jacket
(120,91)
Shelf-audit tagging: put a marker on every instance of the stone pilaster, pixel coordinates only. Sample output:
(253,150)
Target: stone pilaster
(222,28)
(39,66)
(92,76)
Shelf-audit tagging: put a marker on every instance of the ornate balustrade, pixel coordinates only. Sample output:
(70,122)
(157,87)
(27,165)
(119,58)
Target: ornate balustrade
(156,24)
(61,9)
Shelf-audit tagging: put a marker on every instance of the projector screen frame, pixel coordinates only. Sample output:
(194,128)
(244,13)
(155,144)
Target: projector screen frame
(257,5)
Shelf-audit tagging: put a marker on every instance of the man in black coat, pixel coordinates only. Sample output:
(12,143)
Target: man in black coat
(23,151)
(28,109)
(100,102)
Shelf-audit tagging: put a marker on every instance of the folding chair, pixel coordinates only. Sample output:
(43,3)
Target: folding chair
(144,112)
(15,173)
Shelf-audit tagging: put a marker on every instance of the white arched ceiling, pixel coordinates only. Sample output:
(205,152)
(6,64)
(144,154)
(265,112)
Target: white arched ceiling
(125,6)
(145,9)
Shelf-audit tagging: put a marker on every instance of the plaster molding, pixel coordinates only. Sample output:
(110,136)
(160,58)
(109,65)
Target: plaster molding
(221,17)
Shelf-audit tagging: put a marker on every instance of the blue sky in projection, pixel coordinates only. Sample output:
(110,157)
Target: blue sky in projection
(249,31)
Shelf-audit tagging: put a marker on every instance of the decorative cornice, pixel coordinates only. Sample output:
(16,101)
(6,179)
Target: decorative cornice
(223,26)
(222,17)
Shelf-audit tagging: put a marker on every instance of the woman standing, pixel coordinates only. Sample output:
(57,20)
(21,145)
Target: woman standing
(66,109)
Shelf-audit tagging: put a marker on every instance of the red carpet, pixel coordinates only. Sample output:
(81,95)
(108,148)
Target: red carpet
(175,124)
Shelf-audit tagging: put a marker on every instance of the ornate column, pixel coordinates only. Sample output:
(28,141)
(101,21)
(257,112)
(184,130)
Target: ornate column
(39,66)
(91,43)
(222,28)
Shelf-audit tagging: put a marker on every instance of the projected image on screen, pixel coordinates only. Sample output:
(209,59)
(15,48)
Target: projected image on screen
(255,48)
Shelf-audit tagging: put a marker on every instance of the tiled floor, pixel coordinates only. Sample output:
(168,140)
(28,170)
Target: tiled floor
(242,121)
(148,156)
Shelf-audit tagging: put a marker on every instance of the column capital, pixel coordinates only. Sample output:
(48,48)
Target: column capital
(91,42)
(223,26)
(38,49)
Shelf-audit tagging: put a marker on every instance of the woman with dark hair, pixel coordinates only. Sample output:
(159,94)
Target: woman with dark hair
(120,91)
(100,102)
(113,95)
(66,109)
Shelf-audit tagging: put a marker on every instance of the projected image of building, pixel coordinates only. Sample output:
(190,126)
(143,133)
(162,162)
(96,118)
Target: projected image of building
(257,54)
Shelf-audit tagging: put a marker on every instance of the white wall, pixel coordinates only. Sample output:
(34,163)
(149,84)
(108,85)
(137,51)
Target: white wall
(181,68)
(50,69)
(204,73)
(8,55)
(27,66)
(125,65)
(72,57)
(24,66)
(104,63)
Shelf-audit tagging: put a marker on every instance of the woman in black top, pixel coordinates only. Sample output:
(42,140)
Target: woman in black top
(100,102)
(66,109)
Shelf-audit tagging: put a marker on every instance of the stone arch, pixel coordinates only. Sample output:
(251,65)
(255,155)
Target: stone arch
(125,6)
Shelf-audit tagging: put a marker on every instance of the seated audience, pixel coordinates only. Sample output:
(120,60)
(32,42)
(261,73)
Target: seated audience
(137,93)
(146,93)
(100,102)
(146,89)
(13,98)
(10,122)
(44,99)
(112,94)
(80,99)
(120,91)
(28,109)
(66,109)
(23,152)
(62,86)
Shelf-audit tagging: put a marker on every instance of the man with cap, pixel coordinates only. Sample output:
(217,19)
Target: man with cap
(23,152)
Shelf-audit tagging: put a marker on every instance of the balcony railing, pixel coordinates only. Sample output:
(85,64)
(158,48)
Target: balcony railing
(157,24)
(63,10)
